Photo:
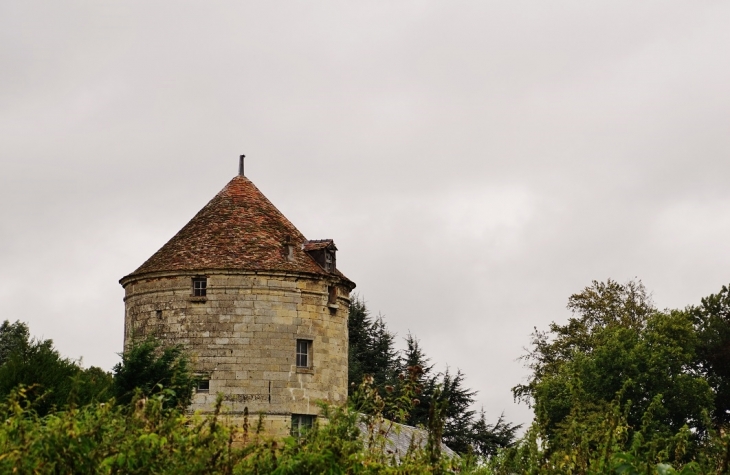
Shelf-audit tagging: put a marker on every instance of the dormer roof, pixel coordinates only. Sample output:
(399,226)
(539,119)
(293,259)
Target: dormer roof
(317,244)
(239,229)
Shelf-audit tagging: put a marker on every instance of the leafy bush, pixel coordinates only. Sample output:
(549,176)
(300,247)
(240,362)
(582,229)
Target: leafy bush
(110,438)
(147,438)
(148,367)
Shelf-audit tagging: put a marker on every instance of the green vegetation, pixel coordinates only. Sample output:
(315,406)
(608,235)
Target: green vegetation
(372,353)
(51,381)
(152,436)
(712,323)
(148,368)
(626,388)
(622,387)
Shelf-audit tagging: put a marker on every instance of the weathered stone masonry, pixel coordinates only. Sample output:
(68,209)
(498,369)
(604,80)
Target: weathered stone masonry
(243,333)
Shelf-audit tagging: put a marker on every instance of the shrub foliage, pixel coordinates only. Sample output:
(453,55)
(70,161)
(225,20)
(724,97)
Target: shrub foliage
(622,387)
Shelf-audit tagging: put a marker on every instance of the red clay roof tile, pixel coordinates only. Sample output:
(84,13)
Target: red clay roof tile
(238,229)
(314,244)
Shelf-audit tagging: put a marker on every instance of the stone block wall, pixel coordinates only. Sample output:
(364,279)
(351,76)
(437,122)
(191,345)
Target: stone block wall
(243,335)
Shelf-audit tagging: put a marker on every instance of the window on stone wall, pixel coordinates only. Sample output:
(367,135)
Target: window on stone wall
(203,385)
(304,353)
(332,295)
(300,424)
(200,286)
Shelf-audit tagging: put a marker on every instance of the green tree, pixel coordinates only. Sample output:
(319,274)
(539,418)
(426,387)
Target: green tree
(371,348)
(461,431)
(712,321)
(414,357)
(618,353)
(358,326)
(149,368)
(52,381)
(602,305)
(487,439)
(398,374)
(458,415)
(14,337)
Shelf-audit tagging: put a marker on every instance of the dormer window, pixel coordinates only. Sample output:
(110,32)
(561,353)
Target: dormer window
(323,252)
(329,261)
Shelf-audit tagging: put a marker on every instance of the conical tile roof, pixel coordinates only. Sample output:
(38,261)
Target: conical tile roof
(239,229)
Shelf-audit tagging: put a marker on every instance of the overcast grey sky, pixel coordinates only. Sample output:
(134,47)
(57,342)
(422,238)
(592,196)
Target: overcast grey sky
(475,162)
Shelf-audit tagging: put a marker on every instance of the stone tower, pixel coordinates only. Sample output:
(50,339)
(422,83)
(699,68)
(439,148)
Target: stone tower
(261,309)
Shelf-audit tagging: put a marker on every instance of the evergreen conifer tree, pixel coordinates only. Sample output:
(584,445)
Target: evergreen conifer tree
(372,347)
(412,356)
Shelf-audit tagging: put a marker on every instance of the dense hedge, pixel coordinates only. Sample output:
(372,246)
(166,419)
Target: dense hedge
(146,438)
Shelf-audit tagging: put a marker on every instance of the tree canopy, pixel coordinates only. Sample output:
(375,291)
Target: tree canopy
(617,345)
(52,380)
(372,352)
(712,321)
(371,348)
(620,387)
(627,388)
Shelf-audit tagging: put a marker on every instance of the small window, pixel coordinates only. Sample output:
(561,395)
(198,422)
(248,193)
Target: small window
(300,424)
(203,385)
(200,286)
(332,297)
(304,350)
(158,313)
(329,264)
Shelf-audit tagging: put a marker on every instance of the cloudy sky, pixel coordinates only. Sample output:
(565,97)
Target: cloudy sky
(475,162)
